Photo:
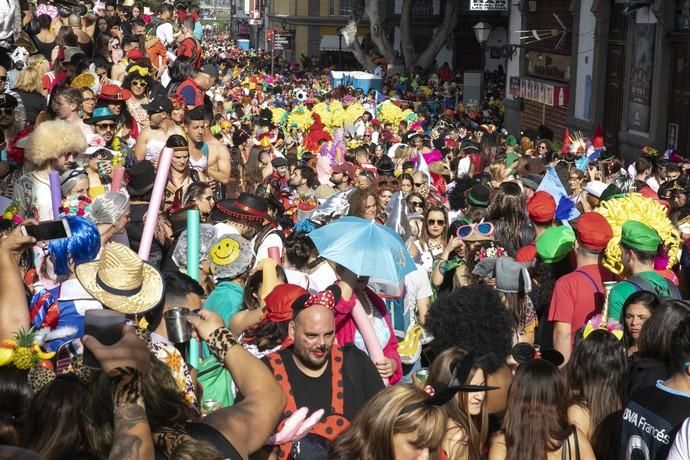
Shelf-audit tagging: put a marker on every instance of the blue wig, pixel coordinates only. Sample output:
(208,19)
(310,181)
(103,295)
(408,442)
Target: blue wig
(82,246)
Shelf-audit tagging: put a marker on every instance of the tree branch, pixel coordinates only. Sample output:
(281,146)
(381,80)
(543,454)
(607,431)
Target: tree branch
(441,37)
(378,35)
(408,51)
(362,56)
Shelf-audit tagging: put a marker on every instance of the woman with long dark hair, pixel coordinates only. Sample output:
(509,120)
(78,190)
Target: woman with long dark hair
(468,424)
(597,381)
(138,80)
(181,176)
(508,213)
(653,358)
(637,309)
(536,425)
(199,195)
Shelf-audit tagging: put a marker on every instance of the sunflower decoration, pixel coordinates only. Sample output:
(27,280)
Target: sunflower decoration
(650,212)
(280,115)
(338,117)
(353,112)
(388,112)
(301,117)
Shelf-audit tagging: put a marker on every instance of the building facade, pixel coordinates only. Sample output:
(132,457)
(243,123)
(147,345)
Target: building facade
(625,67)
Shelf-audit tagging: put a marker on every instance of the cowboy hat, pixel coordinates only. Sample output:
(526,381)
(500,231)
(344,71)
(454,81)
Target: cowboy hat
(121,281)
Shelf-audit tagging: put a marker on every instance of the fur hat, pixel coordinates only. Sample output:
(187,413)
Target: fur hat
(53,138)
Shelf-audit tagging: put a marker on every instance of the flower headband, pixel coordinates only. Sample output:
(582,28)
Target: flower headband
(599,323)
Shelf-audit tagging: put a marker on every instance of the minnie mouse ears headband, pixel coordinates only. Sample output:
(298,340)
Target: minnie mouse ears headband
(329,298)
(440,394)
(524,352)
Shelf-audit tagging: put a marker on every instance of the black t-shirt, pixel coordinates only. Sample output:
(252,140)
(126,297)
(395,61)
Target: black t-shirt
(361,381)
(650,421)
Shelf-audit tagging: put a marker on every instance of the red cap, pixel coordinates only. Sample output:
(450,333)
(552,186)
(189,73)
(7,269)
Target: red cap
(541,207)
(135,54)
(279,302)
(593,231)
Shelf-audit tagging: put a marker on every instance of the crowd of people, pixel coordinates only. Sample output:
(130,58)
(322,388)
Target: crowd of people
(259,265)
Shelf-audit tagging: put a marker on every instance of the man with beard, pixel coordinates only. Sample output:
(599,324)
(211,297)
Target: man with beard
(342,176)
(278,181)
(316,373)
(302,181)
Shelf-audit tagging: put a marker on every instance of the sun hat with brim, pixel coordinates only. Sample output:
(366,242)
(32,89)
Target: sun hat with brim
(555,244)
(230,256)
(637,235)
(114,93)
(101,114)
(121,281)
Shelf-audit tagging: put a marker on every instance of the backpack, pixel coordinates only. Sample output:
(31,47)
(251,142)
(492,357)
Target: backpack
(642,285)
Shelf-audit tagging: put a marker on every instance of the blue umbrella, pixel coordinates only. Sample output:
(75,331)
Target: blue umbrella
(364,247)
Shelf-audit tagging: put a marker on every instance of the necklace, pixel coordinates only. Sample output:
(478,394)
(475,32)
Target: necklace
(434,246)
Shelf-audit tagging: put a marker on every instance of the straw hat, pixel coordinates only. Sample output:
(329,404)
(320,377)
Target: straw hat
(121,281)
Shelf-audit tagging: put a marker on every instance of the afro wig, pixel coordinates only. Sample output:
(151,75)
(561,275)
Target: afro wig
(82,246)
(51,139)
(472,318)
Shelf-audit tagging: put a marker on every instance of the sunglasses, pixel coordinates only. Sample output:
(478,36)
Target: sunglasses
(106,126)
(6,111)
(416,204)
(439,222)
(418,184)
(482,229)
(139,84)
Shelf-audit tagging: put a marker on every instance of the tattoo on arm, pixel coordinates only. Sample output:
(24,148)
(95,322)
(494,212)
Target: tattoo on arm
(128,416)
(126,447)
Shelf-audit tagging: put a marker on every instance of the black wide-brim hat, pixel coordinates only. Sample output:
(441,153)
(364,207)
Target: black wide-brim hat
(246,206)
(141,178)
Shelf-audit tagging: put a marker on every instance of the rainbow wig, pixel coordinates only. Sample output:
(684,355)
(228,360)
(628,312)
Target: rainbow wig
(82,246)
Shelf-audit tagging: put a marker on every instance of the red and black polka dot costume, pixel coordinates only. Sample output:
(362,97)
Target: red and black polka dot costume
(331,425)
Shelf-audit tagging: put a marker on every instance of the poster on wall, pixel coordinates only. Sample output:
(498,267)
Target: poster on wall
(639,98)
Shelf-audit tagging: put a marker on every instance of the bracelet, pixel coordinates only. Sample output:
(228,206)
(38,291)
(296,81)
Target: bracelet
(127,386)
(220,342)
